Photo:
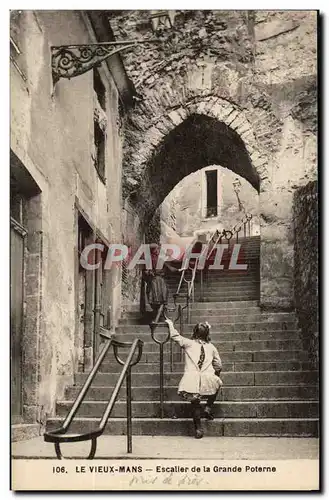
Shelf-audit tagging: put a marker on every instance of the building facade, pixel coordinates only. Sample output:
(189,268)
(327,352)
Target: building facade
(206,200)
(66,149)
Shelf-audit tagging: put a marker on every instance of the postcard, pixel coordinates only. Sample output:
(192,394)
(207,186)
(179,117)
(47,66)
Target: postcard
(164,250)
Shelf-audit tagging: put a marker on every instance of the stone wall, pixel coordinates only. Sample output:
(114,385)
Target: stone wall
(187,203)
(257,77)
(306,266)
(153,231)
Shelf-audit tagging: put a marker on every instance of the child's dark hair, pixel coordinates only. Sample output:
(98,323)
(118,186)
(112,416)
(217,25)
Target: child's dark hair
(201,331)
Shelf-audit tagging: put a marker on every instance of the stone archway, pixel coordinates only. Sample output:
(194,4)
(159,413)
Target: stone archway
(188,138)
(225,77)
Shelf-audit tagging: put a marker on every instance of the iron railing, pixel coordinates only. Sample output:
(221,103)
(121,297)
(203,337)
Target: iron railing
(217,237)
(190,283)
(61,435)
(161,342)
(245,223)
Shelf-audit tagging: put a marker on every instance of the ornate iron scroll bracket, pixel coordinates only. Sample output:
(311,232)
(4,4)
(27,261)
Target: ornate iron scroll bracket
(68,61)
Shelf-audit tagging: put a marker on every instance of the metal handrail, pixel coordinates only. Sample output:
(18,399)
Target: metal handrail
(216,238)
(190,283)
(60,435)
(235,230)
(153,325)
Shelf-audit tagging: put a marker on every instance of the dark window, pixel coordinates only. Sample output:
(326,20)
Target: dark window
(16,41)
(99,135)
(84,233)
(99,138)
(99,89)
(212,201)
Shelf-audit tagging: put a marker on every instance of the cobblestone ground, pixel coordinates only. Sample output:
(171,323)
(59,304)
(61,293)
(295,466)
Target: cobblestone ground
(224,448)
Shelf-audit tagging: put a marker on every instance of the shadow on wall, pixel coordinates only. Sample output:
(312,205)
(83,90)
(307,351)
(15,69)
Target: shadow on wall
(306,266)
(186,208)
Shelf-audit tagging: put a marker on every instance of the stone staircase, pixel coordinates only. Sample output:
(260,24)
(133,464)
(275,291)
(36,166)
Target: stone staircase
(269,386)
(228,285)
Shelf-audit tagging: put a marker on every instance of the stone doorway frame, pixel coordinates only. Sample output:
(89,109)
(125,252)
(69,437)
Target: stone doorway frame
(32,287)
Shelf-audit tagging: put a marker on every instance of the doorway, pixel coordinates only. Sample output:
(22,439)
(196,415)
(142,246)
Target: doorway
(92,296)
(17,251)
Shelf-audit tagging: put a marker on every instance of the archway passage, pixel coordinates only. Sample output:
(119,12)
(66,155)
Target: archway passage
(197,142)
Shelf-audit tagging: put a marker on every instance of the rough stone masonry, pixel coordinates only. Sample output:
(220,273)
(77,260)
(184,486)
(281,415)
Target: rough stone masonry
(233,88)
(306,266)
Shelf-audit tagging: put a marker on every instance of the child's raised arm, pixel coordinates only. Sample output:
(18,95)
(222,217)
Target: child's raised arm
(216,361)
(175,336)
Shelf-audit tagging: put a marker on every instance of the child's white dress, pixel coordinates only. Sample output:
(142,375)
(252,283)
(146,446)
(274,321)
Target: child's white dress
(197,382)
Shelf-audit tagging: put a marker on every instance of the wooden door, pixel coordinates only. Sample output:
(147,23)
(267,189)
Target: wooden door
(102,302)
(17,234)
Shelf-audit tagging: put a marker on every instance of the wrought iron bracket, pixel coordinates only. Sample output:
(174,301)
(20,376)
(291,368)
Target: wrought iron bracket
(68,61)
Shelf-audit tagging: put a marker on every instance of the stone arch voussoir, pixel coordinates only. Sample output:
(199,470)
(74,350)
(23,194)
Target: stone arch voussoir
(211,106)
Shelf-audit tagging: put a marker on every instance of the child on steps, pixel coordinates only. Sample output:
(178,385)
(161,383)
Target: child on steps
(201,373)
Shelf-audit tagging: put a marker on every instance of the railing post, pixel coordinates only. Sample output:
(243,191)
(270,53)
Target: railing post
(129,412)
(58,436)
(161,381)
(201,285)
(181,322)
(181,329)
(172,354)
(188,310)
(153,326)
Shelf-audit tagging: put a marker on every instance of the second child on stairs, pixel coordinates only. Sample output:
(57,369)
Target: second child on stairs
(201,372)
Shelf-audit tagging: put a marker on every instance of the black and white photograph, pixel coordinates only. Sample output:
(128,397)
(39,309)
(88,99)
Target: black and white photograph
(164,310)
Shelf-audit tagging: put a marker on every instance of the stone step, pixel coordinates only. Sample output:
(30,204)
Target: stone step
(230,336)
(252,272)
(231,356)
(230,393)
(145,367)
(214,319)
(229,290)
(204,305)
(221,306)
(181,427)
(218,317)
(212,281)
(215,285)
(252,257)
(253,268)
(23,432)
(230,283)
(237,281)
(210,310)
(221,327)
(221,297)
(217,339)
(225,292)
(228,306)
(252,263)
(229,378)
(174,409)
(250,315)
(228,298)
(234,345)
